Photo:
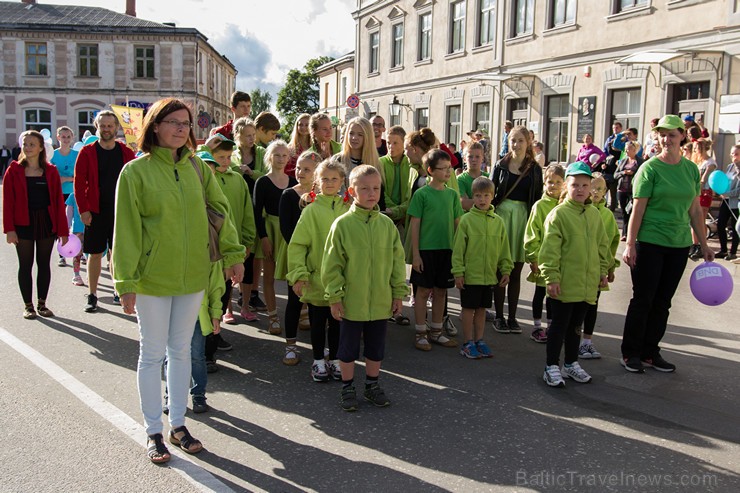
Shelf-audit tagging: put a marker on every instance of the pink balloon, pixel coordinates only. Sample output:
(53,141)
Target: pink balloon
(711,283)
(71,249)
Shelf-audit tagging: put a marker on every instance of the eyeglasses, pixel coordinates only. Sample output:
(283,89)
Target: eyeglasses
(177,124)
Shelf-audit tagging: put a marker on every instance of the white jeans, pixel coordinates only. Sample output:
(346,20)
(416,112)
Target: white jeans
(165,325)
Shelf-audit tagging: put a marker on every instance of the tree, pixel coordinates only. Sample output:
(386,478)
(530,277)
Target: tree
(261,101)
(300,93)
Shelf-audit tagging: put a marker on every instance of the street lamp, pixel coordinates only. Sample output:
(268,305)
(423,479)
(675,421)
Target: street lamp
(396,105)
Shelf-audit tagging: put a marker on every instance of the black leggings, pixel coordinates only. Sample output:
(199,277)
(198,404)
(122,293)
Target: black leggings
(540,295)
(624,199)
(292,314)
(499,293)
(566,319)
(25,250)
(319,316)
(726,217)
(589,322)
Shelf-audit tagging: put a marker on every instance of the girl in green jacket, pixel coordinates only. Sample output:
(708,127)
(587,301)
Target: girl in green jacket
(304,265)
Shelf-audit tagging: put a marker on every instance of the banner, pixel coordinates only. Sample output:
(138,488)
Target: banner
(132,121)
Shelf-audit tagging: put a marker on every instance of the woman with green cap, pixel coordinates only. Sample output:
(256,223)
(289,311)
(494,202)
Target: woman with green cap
(666,192)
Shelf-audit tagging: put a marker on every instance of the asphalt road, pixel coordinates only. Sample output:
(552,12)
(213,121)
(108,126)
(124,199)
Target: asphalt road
(71,420)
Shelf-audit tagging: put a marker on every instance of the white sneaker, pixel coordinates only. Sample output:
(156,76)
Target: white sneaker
(335,372)
(588,351)
(449,327)
(552,376)
(577,373)
(318,371)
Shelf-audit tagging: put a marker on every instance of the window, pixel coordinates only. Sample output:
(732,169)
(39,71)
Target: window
(486,22)
(562,12)
(37,119)
(691,98)
(344,89)
(622,5)
(625,104)
(483,116)
(425,36)
(395,114)
(87,60)
(397,60)
(422,118)
(36,59)
(453,123)
(374,51)
(85,119)
(326,94)
(518,111)
(558,111)
(145,62)
(523,17)
(457,27)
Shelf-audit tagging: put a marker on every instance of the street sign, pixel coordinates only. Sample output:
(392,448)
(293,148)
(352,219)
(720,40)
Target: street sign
(204,120)
(353,101)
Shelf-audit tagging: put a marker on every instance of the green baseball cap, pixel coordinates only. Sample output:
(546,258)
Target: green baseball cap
(223,138)
(578,168)
(670,122)
(207,156)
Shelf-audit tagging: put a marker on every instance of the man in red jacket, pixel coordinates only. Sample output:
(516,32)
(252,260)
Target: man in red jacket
(96,176)
(241,105)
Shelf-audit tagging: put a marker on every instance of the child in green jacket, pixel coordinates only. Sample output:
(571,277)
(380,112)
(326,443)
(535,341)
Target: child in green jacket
(481,248)
(305,252)
(598,191)
(364,275)
(554,177)
(399,178)
(574,261)
(465,180)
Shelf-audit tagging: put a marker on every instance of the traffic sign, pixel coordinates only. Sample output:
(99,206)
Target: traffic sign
(353,101)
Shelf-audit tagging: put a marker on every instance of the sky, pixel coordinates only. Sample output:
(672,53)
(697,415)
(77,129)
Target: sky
(264,39)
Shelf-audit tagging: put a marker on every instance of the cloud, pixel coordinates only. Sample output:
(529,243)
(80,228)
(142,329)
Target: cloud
(250,56)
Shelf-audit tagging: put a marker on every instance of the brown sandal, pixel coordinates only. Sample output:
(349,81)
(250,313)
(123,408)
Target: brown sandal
(156,450)
(43,311)
(186,442)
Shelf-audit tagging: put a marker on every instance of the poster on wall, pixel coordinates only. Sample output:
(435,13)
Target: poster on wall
(132,121)
(586,116)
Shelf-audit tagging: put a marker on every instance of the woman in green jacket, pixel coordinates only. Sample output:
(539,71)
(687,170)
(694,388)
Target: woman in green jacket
(162,265)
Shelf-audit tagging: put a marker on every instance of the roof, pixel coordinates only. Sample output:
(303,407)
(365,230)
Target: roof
(348,58)
(18,15)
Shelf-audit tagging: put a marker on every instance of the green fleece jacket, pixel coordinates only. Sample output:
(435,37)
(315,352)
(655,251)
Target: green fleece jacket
(533,233)
(306,247)
(161,229)
(408,177)
(259,162)
(363,265)
(240,205)
(336,148)
(481,248)
(451,183)
(612,233)
(211,307)
(575,251)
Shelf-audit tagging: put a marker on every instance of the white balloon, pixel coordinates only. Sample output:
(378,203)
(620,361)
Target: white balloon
(49,150)
(77,146)
(594,158)
(46,133)
(86,135)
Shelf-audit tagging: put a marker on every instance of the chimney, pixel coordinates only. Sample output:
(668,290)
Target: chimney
(29,2)
(131,8)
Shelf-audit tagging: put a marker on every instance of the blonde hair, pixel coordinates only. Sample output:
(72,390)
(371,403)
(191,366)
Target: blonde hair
(598,177)
(482,185)
(271,150)
(239,126)
(369,152)
(554,169)
(362,171)
(529,153)
(295,139)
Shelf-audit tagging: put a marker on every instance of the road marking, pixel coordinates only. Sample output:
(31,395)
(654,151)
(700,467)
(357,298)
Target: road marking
(199,477)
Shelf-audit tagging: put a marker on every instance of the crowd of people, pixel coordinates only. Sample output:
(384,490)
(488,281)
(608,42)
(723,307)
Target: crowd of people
(184,225)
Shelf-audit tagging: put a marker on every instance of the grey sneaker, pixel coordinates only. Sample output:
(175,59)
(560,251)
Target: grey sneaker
(92,303)
(500,326)
(552,376)
(588,351)
(348,399)
(449,327)
(376,395)
(575,372)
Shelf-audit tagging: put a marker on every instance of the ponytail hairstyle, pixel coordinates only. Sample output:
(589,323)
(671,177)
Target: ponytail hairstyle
(325,165)
(239,126)
(313,125)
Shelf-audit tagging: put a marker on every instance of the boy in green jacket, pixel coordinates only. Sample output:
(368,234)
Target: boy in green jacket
(480,249)
(399,178)
(574,261)
(364,275)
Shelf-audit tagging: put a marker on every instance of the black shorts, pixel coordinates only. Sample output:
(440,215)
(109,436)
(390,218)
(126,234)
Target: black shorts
(372,333)
(437,270)
(249,270)
(476,296)
(99,235)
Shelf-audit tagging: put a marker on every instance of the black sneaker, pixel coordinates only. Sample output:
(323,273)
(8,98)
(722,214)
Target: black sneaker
(376,395)
(256,304)
(658,363)
(500,326)
(92,303)
(199,405)
(721,254)
(221,343)
(633,364)
(348,399)
(211,366)
(514,327)
(116,298)
(696,254)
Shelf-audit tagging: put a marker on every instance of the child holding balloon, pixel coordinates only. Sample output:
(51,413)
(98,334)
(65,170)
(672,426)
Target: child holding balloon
(77,228)
(728,210)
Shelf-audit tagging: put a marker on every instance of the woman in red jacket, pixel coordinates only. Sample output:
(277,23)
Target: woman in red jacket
(33,216)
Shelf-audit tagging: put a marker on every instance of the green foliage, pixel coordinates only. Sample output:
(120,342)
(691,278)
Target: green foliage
(261,101)
(300,93)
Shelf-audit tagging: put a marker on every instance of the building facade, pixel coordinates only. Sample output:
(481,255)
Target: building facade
(62,64)
(562,68)
(337,80)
